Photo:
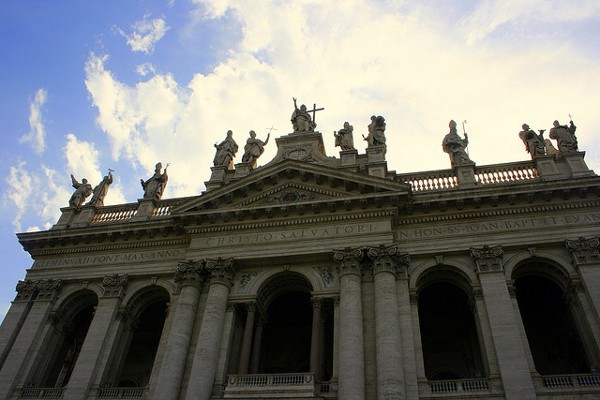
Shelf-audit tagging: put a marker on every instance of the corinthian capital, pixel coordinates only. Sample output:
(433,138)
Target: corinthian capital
(389,259)
(220,270)
(26,290)
(48,288)
(488,258)
(188,273)
(584,250)
(114,285)
(349,261)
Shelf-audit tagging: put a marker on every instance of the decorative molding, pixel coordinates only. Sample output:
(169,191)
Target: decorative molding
(114,285)
(109,247)
(245,279)
(327,276)
(48,288)
(584,250)
(487,259)
(388,259)
(26,290)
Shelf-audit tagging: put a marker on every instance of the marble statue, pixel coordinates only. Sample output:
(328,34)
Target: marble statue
(254,148)
(534,143)
(156,184)
(101,190)
(456,147)
(82,191)
(565,137)
(226,151)
(301,120)
(344,138)
(376,135)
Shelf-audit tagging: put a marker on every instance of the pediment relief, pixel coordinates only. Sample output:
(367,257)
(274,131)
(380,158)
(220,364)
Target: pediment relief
(291,182)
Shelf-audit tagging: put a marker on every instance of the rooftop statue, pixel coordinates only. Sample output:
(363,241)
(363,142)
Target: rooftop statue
(82,191)
(226,151)
(344,138)
(156,184)
(534,143)
(254,148)
(565,137)
(376,136)
(301,120)
(101,190)
(456,147)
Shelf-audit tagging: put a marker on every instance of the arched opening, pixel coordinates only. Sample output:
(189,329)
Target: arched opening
(451,347)
(554,340)
(71,324)
(143,337)
(287,334)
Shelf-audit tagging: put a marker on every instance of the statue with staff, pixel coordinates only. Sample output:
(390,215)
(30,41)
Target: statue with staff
(100,191)
(156,184)
(534,143)
(301,119)
(564,136)
(456,147)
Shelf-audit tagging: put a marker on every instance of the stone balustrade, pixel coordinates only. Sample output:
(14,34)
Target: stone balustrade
(283,385)
(506,173)
(41,393)
(570,381)
(121,393)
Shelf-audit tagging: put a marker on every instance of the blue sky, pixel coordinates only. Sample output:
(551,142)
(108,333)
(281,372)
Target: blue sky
(91,85)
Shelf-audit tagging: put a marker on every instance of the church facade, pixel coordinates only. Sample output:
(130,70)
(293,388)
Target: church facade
(318,277)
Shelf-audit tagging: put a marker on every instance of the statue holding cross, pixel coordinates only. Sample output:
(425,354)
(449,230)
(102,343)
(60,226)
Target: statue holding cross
(301,120)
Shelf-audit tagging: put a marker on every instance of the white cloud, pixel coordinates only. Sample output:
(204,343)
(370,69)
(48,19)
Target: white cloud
(146,33)
(82,159)
(36,135)
(414,65)
(145,69)
(20,187)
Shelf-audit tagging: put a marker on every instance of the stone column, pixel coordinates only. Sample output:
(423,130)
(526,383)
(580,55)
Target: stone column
(583,317)
(247,340)
(351,372)
(170,375)
(315,340)
(15,317)
(86,366)
(406,329)
(390,368)
(204,365)
(504,324)
(256,348)
(27,344)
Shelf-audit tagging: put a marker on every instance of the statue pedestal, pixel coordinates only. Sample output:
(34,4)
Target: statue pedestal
(217,177)
(465,174)
(65,218)
(242,169)
(84,217)
(349,159)
(575,164)
(144,210)
(376,164)
(547,168)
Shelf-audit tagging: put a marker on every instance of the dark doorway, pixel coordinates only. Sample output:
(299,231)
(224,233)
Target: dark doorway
(555,344)
(451,347)
(287,334)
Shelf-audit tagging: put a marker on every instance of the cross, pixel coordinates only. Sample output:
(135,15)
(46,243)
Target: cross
(314,110)
(271,129)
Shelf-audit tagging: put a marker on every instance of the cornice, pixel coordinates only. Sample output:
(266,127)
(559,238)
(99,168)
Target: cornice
(109,247)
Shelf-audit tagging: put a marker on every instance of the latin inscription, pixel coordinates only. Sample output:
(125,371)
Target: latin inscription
(109,258)
(499,226)
(296,234)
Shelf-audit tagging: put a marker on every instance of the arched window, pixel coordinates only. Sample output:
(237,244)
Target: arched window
(148,312)
(71,323)
(553,337)
(449,335)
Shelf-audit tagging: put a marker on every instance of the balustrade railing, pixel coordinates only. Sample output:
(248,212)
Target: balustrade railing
(41,393)
(461,385)
(430,180)
(571,381)
(506,173)
(120,213)
(120,393)
(271,380)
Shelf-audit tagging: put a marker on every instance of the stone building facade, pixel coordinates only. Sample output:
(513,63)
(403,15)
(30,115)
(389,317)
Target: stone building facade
(320,277)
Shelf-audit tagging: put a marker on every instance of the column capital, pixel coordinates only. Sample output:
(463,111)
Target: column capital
(349,261)
(114,285)
(389,259)
(188,273)
(584,250)
(48,288)
(316,302)
(487,259)
(26,290)
(220,271)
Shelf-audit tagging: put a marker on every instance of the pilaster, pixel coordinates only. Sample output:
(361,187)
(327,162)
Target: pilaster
(504,324)
(15,317)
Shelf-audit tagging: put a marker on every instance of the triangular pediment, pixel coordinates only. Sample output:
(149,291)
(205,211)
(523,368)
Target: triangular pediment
(292,182)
